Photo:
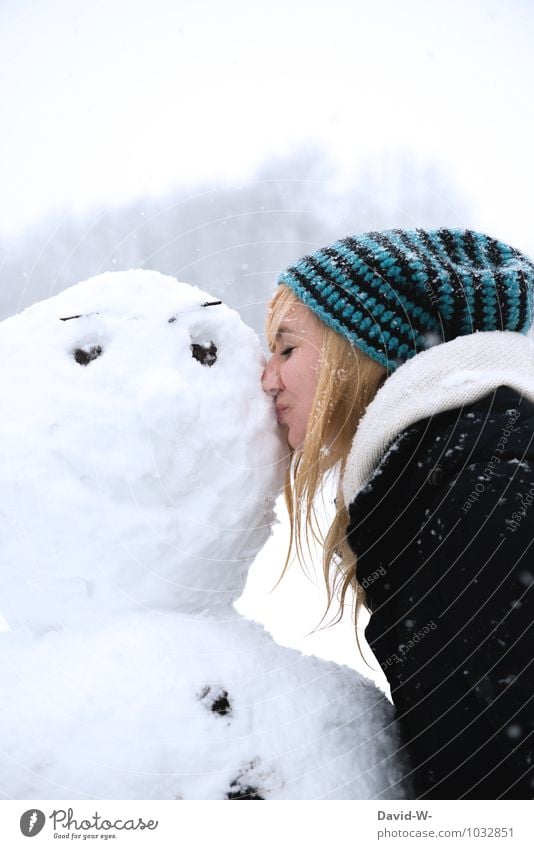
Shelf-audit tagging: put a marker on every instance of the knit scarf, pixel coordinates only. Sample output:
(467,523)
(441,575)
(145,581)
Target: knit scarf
(445,377)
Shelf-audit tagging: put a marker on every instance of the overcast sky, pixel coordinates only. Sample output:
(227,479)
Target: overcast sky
(105,100)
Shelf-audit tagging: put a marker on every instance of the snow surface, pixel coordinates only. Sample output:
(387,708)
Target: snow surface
(140,462)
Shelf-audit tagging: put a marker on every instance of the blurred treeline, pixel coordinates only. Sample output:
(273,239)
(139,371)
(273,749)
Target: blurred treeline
(230,241)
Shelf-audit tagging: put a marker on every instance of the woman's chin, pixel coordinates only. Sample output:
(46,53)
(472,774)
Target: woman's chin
(290,437)
(295,441)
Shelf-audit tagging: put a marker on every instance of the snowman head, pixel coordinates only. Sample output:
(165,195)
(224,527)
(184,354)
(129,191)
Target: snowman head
(139,457)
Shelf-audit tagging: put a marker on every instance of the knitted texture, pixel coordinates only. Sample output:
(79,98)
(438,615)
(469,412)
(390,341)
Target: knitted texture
(448,377)
(395,293)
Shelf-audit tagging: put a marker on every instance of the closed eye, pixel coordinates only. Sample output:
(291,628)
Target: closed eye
(286,352)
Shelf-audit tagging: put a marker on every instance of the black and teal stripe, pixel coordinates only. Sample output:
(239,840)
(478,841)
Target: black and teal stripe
(394,293)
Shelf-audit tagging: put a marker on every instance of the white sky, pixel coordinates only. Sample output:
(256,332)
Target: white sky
(106,100)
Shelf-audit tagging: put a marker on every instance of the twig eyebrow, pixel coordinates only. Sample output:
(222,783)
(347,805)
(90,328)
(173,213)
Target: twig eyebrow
(205,304)
(82,315)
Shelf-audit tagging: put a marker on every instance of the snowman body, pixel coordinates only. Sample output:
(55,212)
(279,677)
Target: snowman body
(139,466)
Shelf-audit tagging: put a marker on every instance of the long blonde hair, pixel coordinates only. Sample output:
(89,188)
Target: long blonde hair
(347,381)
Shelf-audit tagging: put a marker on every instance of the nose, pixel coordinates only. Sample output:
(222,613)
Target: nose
(270,379)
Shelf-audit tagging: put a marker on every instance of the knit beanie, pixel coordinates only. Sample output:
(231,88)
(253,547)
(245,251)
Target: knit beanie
(395,293)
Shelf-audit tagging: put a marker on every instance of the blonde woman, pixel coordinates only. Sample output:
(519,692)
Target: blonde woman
(401,359)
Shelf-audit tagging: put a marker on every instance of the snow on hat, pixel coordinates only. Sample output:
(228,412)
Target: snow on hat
(397,292)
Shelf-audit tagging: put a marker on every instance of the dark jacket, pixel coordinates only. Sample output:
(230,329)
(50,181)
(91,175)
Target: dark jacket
(444,538)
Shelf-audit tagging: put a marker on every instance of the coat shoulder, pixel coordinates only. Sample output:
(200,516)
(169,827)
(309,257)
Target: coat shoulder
(476,459)
(437,448)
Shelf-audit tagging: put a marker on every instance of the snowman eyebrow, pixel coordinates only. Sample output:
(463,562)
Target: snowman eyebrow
(173,318)
(205,304)
(70,317)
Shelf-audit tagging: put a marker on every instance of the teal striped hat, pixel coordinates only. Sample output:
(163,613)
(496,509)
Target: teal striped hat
(395,293)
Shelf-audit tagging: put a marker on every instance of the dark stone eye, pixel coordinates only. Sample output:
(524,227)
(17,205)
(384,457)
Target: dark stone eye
(221,705)
(205,354)
(216,700)
(84,356)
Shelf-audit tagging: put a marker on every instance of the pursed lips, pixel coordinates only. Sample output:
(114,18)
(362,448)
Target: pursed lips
(280,409)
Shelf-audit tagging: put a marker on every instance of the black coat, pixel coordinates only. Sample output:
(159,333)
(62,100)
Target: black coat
(444,538)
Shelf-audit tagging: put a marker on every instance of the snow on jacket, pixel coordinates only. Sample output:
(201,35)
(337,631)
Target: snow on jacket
(440,489)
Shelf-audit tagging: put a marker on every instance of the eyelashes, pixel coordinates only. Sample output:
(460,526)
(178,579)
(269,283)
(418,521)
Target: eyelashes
(286,352)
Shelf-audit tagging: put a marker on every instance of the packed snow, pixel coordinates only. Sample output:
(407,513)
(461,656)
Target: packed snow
(140,462)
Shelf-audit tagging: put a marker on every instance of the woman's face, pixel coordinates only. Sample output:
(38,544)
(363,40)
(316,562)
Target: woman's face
(292,372)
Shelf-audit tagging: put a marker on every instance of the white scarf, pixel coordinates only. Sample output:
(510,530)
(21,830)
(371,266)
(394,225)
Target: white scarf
(441,378)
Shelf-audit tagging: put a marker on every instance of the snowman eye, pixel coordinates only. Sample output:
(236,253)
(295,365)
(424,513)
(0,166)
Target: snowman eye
(205,354)
(84,356)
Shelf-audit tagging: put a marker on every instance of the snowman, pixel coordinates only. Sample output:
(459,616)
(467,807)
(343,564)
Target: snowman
(140,461)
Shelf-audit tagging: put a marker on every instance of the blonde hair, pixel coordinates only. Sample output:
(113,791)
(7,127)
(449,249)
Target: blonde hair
(347,381)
